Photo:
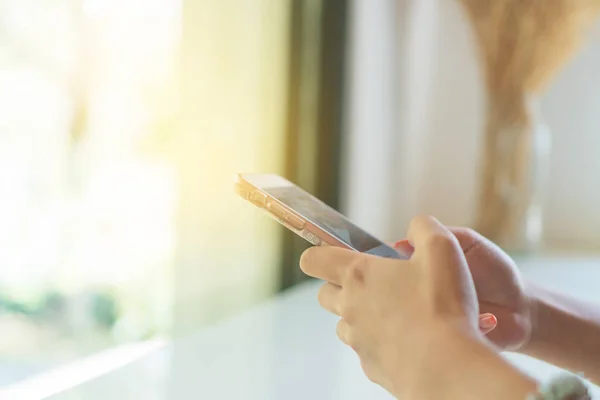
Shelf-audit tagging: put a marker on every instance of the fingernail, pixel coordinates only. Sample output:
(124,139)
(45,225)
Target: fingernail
(487,322)
(399,243)
(403,243)
(404,248)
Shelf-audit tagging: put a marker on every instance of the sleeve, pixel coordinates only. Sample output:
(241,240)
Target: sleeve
(564,387)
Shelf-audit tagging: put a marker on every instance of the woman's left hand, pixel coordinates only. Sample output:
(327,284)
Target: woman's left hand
(396,313)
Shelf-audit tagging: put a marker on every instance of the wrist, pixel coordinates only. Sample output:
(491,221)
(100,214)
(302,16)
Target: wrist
(447,363)
(539,313)
(532,319)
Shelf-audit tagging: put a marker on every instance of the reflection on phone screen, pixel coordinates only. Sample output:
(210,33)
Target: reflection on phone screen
(329,220)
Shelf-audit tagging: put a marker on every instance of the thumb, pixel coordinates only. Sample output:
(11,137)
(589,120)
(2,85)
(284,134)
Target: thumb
(467,239)
(438,246)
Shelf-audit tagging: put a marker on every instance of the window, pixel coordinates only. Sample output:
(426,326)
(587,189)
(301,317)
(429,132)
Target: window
(87,195)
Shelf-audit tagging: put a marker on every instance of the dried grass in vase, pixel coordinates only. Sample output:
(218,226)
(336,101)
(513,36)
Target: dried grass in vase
(523,43)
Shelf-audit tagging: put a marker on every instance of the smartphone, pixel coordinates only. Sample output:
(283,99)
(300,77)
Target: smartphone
(308,216)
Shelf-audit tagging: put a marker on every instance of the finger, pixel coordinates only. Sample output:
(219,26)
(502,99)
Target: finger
(404,248)
(444,259)
(467,238)
(342,330)
(329,298)
(487,323)
(511,329)
(327,263)
(428,235)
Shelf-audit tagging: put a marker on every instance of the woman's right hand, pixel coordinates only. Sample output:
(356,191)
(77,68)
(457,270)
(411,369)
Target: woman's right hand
(500,288)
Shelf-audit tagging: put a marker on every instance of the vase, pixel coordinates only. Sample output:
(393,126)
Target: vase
(516,166)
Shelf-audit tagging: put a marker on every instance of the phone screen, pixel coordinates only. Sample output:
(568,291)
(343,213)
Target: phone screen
(330,220)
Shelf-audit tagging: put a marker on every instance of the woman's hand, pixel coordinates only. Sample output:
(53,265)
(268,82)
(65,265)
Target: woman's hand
(500,289)
(393,311)
(414,323)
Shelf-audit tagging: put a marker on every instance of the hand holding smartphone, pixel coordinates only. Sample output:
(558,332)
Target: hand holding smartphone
(307,216)
(315,221)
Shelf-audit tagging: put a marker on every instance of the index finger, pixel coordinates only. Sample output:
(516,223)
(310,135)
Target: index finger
(327,263)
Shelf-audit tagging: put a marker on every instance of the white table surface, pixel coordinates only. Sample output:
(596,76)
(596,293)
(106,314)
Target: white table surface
(283,349)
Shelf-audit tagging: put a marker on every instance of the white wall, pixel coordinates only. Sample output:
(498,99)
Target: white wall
(445,102)
(439,117)
(571,107)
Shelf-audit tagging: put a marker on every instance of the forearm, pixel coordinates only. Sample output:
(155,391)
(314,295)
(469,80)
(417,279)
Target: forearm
(458,367)
(566,332)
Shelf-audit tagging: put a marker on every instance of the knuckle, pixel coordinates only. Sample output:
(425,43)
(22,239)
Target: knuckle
(341,331)
(347,313)
(369,371)
(321,295)
(355,272)
(326,294)
(470,233)
(467,235)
